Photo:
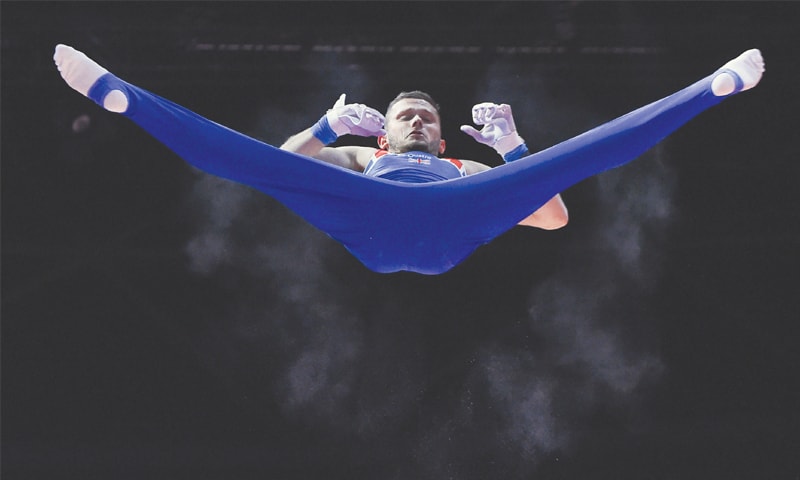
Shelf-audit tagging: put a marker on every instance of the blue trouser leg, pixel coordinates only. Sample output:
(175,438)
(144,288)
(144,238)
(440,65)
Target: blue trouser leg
(516,189)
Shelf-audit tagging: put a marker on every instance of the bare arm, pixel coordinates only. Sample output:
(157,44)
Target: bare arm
(305,143)
(550,216)
(342,119)
(500,133)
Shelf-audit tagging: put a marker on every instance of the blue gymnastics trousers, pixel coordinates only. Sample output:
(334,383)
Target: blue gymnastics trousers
(391,226)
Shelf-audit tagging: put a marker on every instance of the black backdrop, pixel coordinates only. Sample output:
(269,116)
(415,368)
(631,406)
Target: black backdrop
(161,323)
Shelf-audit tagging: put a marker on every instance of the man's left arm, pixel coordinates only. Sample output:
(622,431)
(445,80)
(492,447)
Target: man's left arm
(550,216)
(500,133)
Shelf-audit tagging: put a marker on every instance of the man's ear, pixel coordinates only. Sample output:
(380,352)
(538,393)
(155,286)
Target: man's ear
(383,142)
(442,146)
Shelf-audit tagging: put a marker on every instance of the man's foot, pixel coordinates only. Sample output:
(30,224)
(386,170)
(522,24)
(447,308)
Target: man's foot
(740,74)
(81,72)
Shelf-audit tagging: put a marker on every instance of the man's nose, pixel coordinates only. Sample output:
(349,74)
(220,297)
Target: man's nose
(416,121)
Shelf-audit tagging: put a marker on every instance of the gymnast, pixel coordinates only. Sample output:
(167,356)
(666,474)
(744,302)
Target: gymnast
(401,206)
(410,141)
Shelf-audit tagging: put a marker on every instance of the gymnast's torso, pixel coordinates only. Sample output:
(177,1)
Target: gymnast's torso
(413,167)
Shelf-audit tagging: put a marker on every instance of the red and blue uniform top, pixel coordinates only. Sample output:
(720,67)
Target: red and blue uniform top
(413,167)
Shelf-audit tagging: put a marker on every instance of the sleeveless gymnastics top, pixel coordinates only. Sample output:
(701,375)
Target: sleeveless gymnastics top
(413,167)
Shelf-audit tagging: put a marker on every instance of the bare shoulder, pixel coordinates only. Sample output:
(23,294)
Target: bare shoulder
(362,156)
(352,157)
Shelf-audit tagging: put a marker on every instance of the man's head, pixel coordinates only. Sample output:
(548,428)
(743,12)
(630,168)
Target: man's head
(413,123)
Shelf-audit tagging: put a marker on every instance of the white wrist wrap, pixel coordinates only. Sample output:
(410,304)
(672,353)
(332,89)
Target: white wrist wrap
(507,143)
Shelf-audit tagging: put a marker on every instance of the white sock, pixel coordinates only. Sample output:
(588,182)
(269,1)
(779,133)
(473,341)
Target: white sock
(749,66)
(81,72)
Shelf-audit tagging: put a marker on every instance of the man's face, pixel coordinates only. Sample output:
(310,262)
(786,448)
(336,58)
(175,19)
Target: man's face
(412,124)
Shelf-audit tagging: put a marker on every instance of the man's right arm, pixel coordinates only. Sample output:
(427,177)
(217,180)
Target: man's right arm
(305,143)
(354,119)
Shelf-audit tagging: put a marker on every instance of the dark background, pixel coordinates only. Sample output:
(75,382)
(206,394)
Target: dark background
(161,323)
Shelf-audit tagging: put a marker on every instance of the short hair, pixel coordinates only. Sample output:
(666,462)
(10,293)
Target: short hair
(419,95)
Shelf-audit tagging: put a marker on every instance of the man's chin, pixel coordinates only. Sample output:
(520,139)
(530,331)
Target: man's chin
(417,147)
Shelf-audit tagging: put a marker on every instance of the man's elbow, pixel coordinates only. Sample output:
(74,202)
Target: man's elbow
(554,222)
(547,222)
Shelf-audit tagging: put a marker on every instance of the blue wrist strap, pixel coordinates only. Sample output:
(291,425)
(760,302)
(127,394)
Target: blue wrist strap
(323,131)
(516,154)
